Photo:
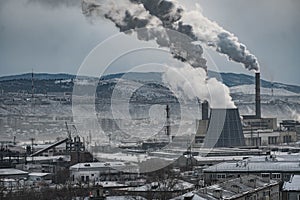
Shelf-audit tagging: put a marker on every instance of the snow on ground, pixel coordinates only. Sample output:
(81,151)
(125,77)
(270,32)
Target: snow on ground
(250,89)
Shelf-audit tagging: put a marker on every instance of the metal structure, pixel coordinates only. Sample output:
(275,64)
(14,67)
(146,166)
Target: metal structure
(49,147)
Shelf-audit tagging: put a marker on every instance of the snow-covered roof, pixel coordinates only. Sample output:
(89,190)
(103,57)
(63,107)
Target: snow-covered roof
(230,189)
(227,151)
(190,195)
(120,156)
(124,198)
(106,184)
(255,166)
(218,158)
(38,174)
(279,156)
(11,171)
(178,185)
(97,165)
(51,158)
(293,184)
(239,186)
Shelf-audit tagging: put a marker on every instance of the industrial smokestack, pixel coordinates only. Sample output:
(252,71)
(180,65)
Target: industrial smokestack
(205,108)
(257,95)
(168,127)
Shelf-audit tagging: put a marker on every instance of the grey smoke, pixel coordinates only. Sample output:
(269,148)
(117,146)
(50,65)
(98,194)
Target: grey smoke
(175,17)
(128,16)
(164,10)
(133,17)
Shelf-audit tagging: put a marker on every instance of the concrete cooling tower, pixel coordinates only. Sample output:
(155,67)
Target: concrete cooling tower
(224,129)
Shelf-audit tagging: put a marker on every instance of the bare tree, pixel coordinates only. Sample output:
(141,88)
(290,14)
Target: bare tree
(162,183)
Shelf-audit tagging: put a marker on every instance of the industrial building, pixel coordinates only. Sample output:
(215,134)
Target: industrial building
(224,127)
(102,171)
(245,187)
(291,125)
(268,167)
(269,137)
(257,122)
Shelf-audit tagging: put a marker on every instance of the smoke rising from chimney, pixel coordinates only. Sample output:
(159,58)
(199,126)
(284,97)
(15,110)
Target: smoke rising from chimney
(132,14)
(197,85)
(128,16)
(198,27)
(141,16)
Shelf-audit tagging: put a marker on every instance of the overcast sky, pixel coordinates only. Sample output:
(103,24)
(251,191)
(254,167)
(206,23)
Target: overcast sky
(54,36)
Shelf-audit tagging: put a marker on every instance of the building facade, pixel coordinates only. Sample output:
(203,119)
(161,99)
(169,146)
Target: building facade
(267,167)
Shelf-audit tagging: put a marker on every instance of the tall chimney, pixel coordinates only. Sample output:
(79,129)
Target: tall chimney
(257,95)
(168,127)
(205,110)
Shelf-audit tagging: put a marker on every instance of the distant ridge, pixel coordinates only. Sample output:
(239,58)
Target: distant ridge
(38,76)
(229,79)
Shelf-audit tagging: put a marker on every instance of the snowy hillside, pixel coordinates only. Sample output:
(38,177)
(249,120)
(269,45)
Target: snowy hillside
(250,89)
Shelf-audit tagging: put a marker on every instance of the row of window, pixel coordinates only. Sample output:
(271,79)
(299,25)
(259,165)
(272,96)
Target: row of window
(263,175)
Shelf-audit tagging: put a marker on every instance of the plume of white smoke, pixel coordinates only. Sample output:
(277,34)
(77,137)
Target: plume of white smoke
(128,16)
(194,24)
(216,37)
(124,14)
(132,14)
(193,82)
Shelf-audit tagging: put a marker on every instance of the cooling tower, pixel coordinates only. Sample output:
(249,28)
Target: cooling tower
(224,129)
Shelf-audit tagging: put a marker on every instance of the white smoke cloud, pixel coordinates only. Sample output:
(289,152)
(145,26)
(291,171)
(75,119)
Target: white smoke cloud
(218,38)
(193,82)
(194,24)
(128,16)
(163,15)
(124,14)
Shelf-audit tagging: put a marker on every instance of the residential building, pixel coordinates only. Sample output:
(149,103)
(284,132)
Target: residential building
(247,187)
(268,167)
(102,171)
